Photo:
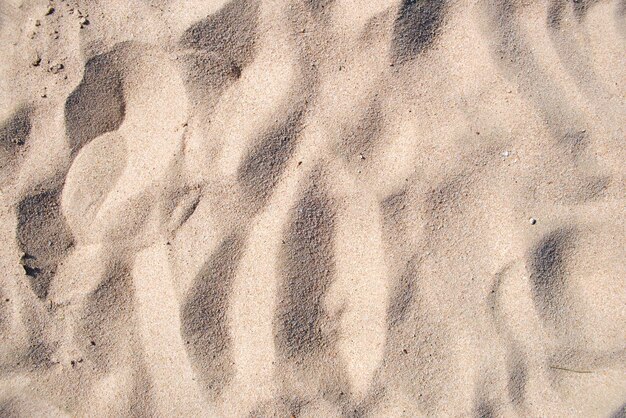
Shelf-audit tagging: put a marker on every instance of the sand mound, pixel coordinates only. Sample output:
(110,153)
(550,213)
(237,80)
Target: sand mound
(313,208)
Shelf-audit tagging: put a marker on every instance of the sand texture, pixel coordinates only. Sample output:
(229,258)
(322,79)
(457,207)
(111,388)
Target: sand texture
(313,208)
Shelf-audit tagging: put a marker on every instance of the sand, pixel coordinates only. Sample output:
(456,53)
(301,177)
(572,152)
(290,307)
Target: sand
(313,208)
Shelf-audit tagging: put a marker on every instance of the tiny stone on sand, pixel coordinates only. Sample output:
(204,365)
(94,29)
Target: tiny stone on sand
(55,69)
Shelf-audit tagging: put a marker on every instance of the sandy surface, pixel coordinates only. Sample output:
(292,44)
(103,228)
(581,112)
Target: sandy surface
(313,208)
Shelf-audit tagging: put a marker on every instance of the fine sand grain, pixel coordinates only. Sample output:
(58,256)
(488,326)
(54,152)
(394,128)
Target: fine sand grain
(313,208)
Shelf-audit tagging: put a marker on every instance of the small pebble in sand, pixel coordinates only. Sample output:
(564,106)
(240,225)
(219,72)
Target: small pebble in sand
(36,61)
(55,69)
(50,11)
(532,221)
(361,156)
(37,22)
(84,22)
(506,153)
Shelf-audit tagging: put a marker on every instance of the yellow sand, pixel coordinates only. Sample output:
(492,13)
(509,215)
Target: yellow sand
(313,208)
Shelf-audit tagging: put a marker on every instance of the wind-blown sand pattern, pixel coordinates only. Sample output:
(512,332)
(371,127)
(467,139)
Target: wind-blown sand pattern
(277,208)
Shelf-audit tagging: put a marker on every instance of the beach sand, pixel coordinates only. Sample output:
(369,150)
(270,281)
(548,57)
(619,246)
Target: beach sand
(313,208)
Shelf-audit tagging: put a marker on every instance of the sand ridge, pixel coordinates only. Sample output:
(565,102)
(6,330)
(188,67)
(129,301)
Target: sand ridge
(312,208)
